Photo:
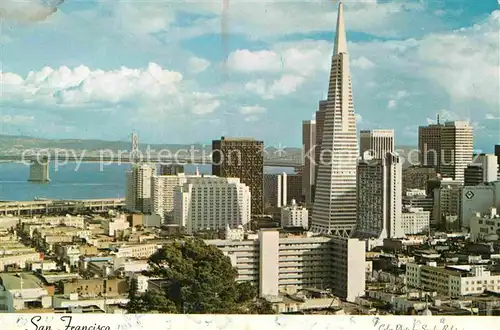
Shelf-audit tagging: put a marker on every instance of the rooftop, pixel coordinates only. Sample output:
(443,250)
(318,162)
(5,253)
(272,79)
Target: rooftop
(20,280)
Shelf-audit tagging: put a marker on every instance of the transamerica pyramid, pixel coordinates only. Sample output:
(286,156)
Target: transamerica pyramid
(334,209)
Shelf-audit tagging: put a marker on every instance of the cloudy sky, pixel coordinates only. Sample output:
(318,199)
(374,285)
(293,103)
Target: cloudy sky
(180,71)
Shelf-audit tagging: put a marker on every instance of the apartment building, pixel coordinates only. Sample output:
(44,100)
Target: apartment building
(452,281)
(163,192)
(68,221)
(379,198)
(277,263)
(212,203)
(138,183)
(485,227)
(138,251)
(415,220)
(294,216)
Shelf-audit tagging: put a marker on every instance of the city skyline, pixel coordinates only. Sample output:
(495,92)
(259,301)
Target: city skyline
(273,67)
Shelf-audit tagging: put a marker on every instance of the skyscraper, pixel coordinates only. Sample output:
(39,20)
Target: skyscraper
(376,143)
(429,145)
(308,143)
(379,198)
(241,158)
(334,209)
(320,124)
(456,144)
(138,182)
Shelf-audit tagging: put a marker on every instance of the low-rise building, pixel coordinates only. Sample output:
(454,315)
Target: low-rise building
(23,291)
(294,216)
(415,221)
(452,281)
(485,227)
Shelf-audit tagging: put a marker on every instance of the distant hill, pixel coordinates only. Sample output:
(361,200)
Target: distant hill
(8,143)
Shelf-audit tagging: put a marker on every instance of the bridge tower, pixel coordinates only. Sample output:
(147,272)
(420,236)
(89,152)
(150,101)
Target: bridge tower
(39,170)
(134,150)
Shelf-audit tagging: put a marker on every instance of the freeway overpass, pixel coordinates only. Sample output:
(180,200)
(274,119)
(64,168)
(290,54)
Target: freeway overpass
(126,158)
(49,206)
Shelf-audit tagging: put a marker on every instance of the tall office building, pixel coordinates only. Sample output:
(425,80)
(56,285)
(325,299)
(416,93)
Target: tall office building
(447,148)
(320,125)
(446,207)
(138,183)
(379,198)
(483,170)
(456,144)
(208,202)
(308,145)
(376,143)
(244,159)
(334,209)
(429,145)
(281,189)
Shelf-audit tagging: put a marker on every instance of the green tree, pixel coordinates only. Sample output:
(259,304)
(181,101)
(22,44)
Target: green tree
(198,279)
(135,302)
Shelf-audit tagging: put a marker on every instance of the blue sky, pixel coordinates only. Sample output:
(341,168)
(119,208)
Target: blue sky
(191,71)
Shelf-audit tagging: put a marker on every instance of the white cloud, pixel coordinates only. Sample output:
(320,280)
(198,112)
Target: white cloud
(244,60)
(254,109)
(197,65)
(270,18)
(205,108)
(147,89)
(300,58)
(362,63)
(399,95)
(285,85)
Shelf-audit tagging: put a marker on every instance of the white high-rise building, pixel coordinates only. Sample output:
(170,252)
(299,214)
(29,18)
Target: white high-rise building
(380,198)
(334,209)
(209,202)
(294,216)
(376,143)
(162,193)
(456,144)
(138,184)
(278,263)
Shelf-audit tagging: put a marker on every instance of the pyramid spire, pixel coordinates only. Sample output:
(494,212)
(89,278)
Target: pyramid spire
(340,35)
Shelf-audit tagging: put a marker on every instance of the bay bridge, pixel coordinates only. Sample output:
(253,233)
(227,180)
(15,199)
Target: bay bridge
(39,159)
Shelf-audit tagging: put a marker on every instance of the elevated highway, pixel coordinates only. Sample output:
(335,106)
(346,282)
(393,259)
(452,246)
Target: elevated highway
(54,206)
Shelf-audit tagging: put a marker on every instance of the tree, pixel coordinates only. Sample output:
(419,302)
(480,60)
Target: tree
(135,303)
(197,279)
